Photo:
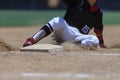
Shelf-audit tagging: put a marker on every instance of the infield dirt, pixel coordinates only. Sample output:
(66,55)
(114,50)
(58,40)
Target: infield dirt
(101,64)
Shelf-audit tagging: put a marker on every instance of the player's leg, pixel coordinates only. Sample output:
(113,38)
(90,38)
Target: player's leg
(63,31)
(43,32)
(56,25)
(88,40)
(69,33)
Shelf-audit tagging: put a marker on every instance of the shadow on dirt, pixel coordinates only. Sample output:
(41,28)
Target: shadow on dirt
(5,46)
(117,45)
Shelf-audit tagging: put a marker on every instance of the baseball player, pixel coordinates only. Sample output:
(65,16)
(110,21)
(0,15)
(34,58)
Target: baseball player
(80,17)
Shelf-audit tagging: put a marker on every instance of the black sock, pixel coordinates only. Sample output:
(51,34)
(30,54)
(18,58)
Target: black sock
(43,32)
(47,28)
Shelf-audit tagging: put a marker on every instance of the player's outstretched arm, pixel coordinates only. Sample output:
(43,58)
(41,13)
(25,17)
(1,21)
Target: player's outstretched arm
(99,34)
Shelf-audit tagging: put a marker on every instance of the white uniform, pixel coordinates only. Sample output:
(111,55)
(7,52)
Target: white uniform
(69,33)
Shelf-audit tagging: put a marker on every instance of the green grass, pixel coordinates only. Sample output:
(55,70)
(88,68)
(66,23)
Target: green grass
(29,18)
(110,17)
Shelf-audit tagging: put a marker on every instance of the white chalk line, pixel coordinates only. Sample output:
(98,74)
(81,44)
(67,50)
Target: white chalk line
(103,54)
(69,75)
(61,75)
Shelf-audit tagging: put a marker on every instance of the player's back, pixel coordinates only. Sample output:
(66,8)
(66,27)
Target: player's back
(78,14)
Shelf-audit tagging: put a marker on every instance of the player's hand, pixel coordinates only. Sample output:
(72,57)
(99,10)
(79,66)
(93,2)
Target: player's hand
(102,45)
(28,42)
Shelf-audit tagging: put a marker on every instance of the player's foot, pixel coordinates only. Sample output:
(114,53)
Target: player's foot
(28,42)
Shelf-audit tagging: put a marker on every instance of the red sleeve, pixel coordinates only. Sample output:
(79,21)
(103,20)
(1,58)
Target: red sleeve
(99,34)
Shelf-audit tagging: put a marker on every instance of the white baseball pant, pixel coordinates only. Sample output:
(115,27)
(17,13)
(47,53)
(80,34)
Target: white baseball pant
(69,33)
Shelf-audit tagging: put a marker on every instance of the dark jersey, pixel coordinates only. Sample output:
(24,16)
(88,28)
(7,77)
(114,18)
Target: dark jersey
(79,15)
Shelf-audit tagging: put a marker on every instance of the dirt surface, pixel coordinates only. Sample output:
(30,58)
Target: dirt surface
(74,63)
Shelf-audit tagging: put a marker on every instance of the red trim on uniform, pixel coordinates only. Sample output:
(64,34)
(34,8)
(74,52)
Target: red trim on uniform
(94,8)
